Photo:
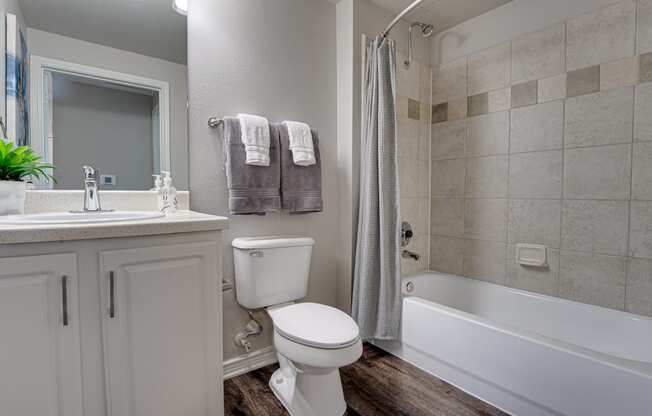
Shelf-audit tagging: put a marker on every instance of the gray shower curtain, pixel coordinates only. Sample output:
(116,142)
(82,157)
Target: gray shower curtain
(377,275)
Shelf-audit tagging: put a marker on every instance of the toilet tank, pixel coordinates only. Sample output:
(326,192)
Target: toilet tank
(271,270)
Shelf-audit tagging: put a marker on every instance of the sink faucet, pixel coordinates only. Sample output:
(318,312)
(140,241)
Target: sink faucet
(91,188)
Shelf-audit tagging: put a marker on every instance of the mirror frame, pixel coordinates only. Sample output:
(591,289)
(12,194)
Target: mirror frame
(38,67)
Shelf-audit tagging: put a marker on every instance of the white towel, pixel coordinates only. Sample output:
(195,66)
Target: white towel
(301,143)
(255,137)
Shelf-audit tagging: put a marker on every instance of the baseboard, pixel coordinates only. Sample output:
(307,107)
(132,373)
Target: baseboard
(249,362)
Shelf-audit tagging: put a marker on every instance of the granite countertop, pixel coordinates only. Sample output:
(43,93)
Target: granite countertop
(180,222)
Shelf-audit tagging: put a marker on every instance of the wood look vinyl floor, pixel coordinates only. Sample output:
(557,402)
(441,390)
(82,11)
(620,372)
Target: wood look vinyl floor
(378,384)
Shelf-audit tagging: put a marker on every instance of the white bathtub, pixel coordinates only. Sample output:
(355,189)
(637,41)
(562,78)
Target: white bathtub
(527,354)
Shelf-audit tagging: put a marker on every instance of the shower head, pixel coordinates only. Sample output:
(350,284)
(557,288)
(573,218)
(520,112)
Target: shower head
(426,29)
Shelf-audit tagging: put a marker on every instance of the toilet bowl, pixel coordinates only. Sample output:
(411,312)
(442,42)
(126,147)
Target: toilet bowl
(312,340)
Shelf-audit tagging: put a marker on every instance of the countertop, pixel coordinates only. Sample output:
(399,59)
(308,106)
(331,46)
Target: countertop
(180,222)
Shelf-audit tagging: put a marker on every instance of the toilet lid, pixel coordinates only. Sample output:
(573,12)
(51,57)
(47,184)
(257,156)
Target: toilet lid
(315,325)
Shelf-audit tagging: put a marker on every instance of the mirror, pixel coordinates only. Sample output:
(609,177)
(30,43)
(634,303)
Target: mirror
(101,83)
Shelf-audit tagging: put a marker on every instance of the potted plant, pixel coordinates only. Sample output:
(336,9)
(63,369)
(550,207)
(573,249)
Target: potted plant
(18,164)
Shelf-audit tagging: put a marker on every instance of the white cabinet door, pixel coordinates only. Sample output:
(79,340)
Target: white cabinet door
(161,338)
(40,359)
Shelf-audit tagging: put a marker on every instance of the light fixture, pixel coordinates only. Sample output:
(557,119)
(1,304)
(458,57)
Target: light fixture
(180,6)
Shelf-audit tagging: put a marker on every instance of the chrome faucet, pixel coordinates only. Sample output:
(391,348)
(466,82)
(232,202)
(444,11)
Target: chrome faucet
(91,188)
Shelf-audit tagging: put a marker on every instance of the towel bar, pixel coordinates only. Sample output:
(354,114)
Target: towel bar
(214,122)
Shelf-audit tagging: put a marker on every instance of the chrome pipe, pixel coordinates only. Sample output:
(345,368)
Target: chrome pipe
(399,17)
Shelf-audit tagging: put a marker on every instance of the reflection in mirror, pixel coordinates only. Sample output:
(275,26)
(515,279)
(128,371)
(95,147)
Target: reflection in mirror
(98,83)
(117,117)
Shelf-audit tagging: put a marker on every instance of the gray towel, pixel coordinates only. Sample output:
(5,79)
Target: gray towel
(300,185)
(252,189)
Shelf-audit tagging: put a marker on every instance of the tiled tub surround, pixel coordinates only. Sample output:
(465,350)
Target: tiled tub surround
(550,143)
(413,114)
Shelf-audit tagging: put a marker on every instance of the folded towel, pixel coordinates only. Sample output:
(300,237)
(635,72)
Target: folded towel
(252,189)
(300,185)
(301,144)
(255,137)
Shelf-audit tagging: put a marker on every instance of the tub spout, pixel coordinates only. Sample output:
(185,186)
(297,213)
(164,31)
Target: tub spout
(407,254)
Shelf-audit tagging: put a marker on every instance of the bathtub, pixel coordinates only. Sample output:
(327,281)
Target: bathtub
(527,354)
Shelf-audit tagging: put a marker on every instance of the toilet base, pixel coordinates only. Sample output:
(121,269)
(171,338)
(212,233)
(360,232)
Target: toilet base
(304,393)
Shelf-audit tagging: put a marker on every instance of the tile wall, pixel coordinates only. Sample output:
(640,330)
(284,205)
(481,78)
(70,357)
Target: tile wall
(547,139)
(413,114)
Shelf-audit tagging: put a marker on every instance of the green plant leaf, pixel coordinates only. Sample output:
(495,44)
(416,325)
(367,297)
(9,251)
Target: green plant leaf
(19,163)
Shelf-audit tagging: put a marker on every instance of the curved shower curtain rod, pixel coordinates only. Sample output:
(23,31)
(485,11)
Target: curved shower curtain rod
(399,17)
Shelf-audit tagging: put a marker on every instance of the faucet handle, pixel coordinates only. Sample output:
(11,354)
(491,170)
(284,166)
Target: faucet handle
(90,172)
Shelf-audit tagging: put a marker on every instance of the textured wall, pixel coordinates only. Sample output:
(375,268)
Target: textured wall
(545,138)
(276,59)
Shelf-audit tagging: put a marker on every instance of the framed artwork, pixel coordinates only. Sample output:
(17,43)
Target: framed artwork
(16,82)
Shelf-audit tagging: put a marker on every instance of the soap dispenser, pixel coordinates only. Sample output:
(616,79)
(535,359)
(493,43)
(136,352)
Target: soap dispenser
(169,194)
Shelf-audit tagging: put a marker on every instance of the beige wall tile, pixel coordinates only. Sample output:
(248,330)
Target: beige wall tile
(423,185)
(596,226)
(490,69)
(486,177)
(447,178)
(537,127)
(553,88)
(525,94)
(600,36)
(602,118)
(447,217)
(487,134)
(544,280)
(424,141)
(642,118)
(539,54)
(644,15)
(410,211)
(485,260)
(640,232)
(408,139)
(401,107)
(448,139)
(617,74)
(407,79)
(639,287)
(457,109)
(423,221)
(447,255)
(486,219)
(583,81)
(499,100)
(592,278)
(478,104)
(598,172)
(408,177)
(642,171)
(534,221)
(450,81)
(535,175)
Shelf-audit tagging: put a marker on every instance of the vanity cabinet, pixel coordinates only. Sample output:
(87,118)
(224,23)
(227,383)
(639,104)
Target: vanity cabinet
(157,325)
(40,359)
(135,321)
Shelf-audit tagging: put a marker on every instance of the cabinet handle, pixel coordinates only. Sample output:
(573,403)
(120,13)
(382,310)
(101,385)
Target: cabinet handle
(111,294)
(64,299)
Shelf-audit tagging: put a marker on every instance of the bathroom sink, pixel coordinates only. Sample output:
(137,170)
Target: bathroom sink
(78,217)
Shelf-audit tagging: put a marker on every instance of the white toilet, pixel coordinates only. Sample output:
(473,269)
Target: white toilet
(312,341)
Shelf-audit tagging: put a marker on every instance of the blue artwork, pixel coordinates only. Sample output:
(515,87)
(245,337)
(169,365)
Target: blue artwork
(16,81)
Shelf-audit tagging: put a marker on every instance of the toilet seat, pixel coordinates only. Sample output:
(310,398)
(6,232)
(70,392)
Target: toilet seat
(315,325)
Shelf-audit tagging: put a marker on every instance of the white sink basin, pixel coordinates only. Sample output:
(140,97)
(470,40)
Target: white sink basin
(78,217)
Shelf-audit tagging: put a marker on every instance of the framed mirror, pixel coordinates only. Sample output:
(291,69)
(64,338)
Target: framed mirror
(98,83)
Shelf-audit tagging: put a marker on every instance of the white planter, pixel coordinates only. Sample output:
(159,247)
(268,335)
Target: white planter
(12,197)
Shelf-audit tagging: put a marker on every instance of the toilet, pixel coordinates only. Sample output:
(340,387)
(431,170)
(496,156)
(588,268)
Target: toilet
(312,340)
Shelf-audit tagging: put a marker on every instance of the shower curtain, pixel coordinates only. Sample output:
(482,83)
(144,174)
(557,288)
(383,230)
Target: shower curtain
(377,275)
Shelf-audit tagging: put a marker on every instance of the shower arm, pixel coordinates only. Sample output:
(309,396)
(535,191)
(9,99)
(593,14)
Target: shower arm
(399,17)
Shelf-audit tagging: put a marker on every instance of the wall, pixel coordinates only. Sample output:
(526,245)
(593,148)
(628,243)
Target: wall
(72,50)
(94,125)
(356,18)
(276,59)
(545,138)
